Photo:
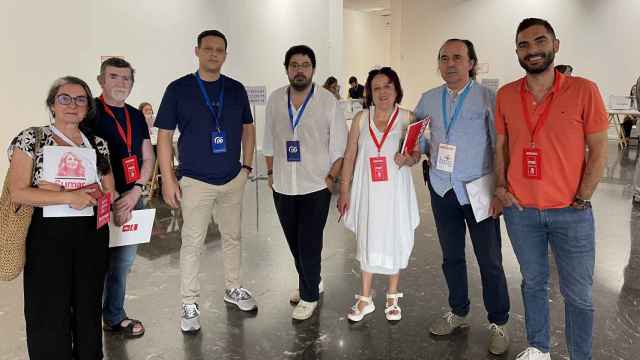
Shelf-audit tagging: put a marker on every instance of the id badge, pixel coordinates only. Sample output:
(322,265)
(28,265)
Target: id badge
(446,157)
(104,210)
(218,142)
(293,150)
(131,169)
(379,168)
(531,159)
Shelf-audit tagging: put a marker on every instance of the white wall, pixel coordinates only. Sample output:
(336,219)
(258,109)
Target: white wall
(42,41)
(367,43)
(596,37)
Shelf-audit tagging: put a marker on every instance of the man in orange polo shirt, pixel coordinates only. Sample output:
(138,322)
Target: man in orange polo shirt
(546,123)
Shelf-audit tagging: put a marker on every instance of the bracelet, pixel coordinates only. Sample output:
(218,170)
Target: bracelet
(248,168)
(141,186)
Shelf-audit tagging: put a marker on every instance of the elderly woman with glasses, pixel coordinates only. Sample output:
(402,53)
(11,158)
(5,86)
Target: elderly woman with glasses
(66,255)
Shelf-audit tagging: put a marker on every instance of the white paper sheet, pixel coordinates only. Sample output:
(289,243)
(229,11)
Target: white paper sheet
(73,168)
(136,231)
(480,193)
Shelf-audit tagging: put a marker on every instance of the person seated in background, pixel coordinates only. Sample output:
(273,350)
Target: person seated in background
(565,69)
(331,84)
(356,91)
(147,110)
(630,120)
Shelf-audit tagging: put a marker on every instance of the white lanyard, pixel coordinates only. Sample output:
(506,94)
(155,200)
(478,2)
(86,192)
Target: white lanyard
(62,136)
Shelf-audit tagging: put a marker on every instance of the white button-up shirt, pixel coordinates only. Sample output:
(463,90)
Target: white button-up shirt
(322,132)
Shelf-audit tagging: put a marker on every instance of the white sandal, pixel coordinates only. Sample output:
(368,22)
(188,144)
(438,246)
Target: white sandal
(356,314)
(393,311)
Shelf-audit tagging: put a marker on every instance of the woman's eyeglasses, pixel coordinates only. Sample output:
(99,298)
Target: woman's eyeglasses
(66,99)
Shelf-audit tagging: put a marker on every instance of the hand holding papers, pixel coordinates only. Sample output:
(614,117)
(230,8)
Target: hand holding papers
(480,192)
(72,168)
(414,131)
(135,231)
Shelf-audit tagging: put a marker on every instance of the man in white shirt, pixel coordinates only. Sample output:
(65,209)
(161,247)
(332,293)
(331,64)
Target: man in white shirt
(304,141)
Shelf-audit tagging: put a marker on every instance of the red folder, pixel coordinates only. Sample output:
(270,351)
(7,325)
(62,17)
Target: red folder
(414,131)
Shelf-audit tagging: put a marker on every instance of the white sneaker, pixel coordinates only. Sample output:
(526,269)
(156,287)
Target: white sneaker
(304,310)
(532,353)
(294,298)
(190,318)
(242,298)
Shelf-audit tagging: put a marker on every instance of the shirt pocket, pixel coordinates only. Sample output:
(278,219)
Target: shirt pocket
(473,129)
(570,116)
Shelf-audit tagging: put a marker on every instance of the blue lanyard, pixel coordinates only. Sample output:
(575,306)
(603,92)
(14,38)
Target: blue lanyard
(216,117)
(294,124)
(448,123)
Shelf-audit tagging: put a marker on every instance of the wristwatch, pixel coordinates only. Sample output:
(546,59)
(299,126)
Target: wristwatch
(139,185)
(248,168)
(581,203)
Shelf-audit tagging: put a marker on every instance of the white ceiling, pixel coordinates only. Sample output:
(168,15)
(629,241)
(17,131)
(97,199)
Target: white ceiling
(378,7)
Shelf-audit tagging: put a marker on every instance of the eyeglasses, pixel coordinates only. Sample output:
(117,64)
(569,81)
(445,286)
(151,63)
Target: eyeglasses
(66,99)
(303,66)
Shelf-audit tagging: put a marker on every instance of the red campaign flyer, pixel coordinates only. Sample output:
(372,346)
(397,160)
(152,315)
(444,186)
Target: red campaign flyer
(104,210)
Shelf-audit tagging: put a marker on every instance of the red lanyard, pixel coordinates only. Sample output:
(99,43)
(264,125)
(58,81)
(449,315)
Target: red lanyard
(386,131)
(534,129)
(126,138)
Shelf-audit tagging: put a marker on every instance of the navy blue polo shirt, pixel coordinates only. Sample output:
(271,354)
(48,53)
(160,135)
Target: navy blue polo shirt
(106,128)
(184,106)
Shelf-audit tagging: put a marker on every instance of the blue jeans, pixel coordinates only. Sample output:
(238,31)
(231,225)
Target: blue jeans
(115,284)
(571,234)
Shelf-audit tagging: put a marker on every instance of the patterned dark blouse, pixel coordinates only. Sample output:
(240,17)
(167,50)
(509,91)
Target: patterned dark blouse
(26,140)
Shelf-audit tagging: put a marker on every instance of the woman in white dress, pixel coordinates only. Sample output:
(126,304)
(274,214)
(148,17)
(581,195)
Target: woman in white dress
(377,196)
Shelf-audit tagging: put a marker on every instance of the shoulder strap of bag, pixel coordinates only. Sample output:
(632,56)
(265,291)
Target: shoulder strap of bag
(38,134)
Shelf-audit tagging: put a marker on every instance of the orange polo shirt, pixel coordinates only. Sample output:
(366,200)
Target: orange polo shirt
(577,110)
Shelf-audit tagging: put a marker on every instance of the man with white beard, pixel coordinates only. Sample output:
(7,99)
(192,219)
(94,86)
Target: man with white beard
(132,160)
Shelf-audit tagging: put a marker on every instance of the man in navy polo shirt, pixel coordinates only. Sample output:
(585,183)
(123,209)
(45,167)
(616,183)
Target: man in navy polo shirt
(131,155)
(212,112)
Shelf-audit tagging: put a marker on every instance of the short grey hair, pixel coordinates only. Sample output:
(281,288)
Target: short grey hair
(117,63)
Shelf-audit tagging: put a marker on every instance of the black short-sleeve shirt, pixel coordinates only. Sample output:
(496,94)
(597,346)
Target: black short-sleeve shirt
(106,128)
(183,106)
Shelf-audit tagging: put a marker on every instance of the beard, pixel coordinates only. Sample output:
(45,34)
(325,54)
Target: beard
(300,82)
(119,94)
(548,58)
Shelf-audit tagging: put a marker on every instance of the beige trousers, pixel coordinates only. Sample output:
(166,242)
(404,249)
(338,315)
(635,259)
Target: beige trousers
(200,203)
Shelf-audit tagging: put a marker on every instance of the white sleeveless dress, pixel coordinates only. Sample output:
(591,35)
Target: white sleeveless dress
(382,214)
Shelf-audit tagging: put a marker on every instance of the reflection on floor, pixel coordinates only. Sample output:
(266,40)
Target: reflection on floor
(227,333)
